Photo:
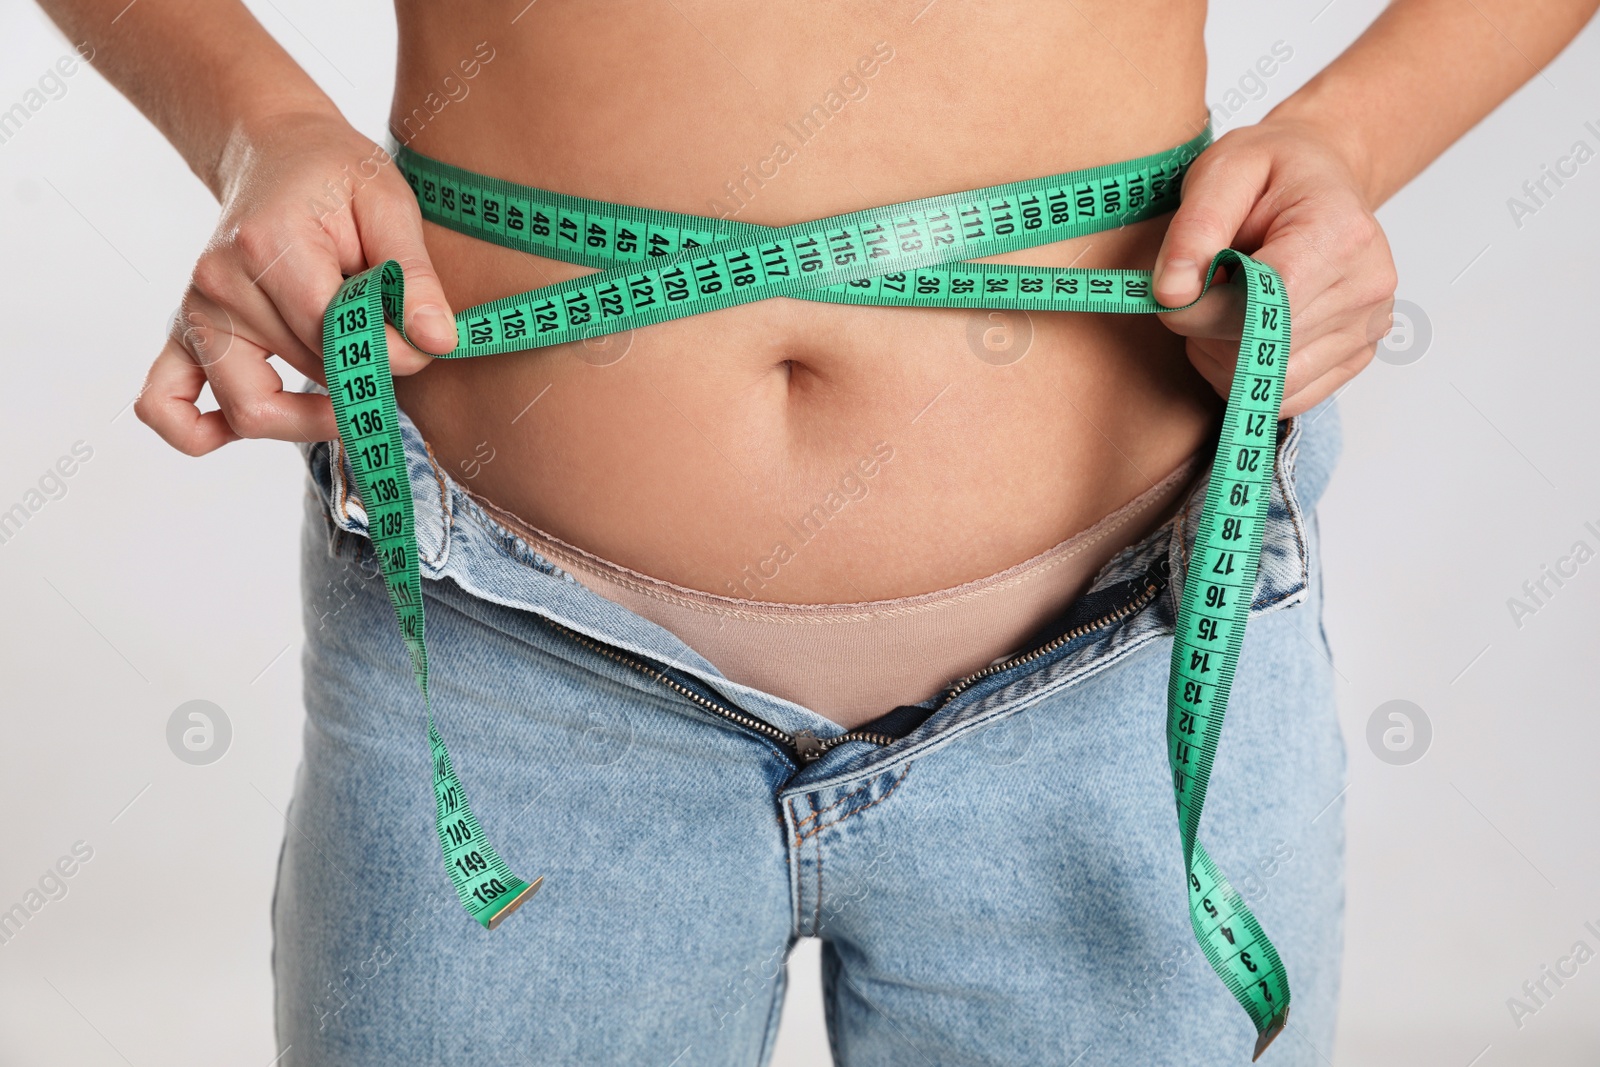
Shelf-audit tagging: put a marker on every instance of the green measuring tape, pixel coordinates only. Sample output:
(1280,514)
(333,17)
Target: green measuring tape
(660,265)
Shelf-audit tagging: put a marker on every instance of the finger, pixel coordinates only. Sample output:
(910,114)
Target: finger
(286,275)
(1314,372)
(1330,343)
(391,228)
(1319,390)
(167,404)
(206,326)
(284,311)
(1324,356)
(1312,282)
(1219,314)
(1218,194)
(252,399)
(1215,360)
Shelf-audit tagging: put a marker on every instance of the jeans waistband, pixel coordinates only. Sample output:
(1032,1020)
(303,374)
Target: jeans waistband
(458,542)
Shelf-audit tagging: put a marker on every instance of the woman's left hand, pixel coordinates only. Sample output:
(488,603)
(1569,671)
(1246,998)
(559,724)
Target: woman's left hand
(1282,193)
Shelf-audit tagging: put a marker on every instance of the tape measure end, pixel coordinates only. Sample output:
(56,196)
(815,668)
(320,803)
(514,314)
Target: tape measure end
(516,902)
(1268,1035)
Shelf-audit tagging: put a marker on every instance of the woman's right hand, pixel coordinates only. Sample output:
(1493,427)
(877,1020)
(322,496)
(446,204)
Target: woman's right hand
(306,202)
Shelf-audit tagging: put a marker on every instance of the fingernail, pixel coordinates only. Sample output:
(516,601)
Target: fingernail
(430,322)
(1178,278)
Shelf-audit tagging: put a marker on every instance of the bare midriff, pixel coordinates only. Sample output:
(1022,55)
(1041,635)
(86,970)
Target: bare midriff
(693,450)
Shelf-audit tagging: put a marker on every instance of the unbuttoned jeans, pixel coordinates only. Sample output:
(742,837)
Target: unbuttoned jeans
(1001,884)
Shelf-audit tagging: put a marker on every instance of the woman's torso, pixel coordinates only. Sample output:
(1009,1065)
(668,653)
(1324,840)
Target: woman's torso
(693,455)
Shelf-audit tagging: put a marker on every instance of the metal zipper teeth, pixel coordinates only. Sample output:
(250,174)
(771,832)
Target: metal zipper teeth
(749,722)
(767,730)
(1136,604)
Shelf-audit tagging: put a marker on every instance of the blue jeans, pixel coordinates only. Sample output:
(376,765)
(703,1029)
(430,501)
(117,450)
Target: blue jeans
(1001,884)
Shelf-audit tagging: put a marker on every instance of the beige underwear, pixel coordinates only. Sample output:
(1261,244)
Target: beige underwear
(852,662)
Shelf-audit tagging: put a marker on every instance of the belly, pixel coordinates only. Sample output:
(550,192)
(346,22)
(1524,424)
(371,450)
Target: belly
(926,447)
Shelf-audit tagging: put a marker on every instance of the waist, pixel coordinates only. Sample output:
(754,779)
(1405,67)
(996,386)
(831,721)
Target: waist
(941,445)
(930,447)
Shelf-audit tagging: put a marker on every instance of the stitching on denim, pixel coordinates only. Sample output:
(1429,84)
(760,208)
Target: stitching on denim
(774,1011)
(1287,594)
(811,802)
(816,913)
(512,545)
(854,811)
(817,814)
(797,884)
(798,844)
(832,1012)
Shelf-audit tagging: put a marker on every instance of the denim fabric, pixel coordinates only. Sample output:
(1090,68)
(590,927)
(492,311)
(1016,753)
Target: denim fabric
(1001,885)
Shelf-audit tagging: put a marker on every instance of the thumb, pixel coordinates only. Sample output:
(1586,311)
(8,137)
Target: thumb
(1218,195)
(391,228)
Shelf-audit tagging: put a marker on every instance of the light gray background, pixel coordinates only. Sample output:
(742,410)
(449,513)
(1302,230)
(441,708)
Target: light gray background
(158,579)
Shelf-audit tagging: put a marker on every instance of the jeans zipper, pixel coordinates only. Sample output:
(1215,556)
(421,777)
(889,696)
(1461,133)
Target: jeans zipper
(749,722)
(806,746)
(1152,588)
